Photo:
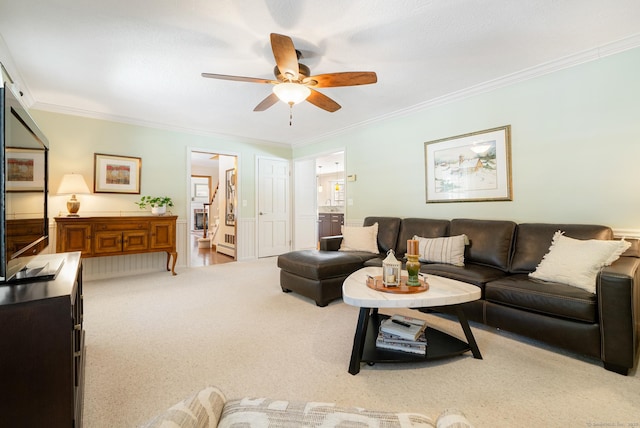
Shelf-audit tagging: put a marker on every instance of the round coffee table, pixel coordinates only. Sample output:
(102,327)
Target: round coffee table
(442,292)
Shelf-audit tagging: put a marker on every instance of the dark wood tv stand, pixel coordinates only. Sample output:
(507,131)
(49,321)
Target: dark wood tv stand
(42,352)
(112,236)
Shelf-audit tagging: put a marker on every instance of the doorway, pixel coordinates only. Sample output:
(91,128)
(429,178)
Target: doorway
(331,191)
(319,198)
(211,208)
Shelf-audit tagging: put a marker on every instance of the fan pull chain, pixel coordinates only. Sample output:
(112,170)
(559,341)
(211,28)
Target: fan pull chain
(290,113)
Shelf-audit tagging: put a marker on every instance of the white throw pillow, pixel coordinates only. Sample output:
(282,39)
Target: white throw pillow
(360,238)
(449,250)
(577,262)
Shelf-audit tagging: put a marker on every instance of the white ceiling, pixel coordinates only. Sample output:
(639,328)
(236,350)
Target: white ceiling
(140,61)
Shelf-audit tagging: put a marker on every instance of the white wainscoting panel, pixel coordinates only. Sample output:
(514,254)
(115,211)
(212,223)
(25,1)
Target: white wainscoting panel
(247,246)
(626,233)
(131,264)
(352,222)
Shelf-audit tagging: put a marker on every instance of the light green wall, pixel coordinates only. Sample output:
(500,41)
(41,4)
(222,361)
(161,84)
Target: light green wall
(575,146)
(575,149)
(74,140)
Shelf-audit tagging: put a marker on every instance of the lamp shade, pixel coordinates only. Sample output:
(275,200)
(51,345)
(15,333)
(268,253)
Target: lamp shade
(291,93)
(73,184)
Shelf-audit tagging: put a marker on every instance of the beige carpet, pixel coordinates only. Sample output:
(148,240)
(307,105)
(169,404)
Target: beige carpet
(153,340)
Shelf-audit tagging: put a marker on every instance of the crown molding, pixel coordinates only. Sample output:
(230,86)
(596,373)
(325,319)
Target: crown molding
(510,79)
(12,74)
(491,85)
(55,108)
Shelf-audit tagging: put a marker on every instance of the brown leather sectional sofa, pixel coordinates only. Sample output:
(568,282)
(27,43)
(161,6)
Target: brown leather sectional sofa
(500,256)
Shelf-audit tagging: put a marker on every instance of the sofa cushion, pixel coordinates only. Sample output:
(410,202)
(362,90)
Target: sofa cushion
(266,412)
(201,410)
(471,273)
(577,262)
(427,228)
(360,238)
(452,418)
(549,298)
(489,240)
(388,228)
(449,250)
(532,241)
(315,264)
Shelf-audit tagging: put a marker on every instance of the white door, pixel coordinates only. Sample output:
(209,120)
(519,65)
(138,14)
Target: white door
(305,222)
(273,207)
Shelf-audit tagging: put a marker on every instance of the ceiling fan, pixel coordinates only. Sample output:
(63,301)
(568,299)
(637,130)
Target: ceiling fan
(294,82)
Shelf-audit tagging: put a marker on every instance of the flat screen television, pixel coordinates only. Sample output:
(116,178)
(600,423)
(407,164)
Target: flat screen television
(24,222)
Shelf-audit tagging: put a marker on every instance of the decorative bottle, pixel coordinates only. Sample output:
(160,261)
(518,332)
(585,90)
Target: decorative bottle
(413,269)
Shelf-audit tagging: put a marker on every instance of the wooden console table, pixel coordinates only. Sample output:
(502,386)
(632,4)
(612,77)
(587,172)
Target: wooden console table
(112,236)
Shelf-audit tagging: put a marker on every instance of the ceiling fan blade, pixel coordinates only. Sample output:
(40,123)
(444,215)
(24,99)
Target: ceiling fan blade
(238,78)
(348,78)
(324,102)
(267,102)
(285,54)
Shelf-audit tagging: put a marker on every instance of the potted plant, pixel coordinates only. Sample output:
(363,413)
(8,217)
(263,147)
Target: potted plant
(158,204)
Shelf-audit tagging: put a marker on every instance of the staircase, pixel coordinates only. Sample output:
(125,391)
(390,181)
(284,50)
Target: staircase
(210,228)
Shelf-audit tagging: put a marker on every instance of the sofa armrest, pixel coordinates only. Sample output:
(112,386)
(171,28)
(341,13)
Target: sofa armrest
(330,243)
(618,306)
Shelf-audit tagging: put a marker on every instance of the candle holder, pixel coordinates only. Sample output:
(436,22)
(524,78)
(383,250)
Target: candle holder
(391,270)
(413,269)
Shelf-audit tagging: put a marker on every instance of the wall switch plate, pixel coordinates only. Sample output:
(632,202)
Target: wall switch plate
(352,177)
(350,202)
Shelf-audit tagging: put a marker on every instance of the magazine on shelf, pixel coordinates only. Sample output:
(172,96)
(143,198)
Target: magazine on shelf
(403,346)
(405,327)
(392,338)
(410,320)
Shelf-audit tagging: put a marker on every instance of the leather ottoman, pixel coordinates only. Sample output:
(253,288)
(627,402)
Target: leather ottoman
(318,274)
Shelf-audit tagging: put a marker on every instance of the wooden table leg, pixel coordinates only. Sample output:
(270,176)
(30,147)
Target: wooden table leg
(175,259)
(358,341)
(462,318)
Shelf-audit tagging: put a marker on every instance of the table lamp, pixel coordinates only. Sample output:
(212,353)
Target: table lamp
(73,184)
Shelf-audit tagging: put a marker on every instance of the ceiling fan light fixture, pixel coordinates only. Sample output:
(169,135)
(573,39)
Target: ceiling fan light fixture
(291,93)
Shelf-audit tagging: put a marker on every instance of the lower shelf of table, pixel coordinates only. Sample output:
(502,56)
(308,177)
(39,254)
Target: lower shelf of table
(439,345)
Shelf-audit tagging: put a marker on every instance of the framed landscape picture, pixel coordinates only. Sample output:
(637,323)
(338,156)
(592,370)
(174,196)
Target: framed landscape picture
(24,170)
(470,167)
(116,174)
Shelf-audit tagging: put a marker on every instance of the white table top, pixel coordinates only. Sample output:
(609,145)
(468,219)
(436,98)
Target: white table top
(441,292)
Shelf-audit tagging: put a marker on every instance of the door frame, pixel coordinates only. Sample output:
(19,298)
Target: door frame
(315,157)
(296,228)
(190,150)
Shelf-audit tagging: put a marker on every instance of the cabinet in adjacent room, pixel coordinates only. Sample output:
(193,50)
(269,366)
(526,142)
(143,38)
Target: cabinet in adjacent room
(324,225)
(42,348)
(337,220)
(329,224)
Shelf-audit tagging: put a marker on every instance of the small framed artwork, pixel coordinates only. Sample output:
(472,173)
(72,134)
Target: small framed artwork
(230,200)
(469,168)
(201,190)
(24,170)
(116,174)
